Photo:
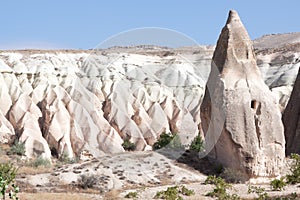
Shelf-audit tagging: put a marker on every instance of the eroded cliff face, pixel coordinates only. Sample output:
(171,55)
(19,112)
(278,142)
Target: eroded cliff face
(240,116)
(60,102)
(68,101)
(291,120)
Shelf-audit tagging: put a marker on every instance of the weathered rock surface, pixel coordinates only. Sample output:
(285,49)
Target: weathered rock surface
(64,103)
(291,120)
(68,101)
(239,113)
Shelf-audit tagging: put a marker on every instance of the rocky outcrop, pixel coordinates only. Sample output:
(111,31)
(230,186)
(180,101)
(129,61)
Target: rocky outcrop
(240,116)
(291,120)
(68,101)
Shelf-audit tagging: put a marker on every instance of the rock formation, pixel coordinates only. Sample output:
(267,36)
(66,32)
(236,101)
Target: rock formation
(240,116)
(291,120)
(69,101)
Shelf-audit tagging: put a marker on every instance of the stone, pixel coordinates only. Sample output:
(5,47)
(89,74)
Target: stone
(240,117)
(73,101)
(291,120)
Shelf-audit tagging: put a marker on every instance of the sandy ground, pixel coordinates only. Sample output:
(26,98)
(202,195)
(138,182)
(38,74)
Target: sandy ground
(143,172)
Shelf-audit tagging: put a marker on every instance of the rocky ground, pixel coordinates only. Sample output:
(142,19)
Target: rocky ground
(118,174)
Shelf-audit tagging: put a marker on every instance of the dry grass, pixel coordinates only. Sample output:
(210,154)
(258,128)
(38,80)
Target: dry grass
(4,159)
(112,195)
(27,170)
(51,196)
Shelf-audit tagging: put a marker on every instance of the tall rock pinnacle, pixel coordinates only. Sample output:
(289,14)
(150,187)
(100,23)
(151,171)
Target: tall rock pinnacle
(240,117)
(291,120)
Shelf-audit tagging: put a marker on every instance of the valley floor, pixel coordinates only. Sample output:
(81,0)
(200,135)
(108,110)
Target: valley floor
(114,176)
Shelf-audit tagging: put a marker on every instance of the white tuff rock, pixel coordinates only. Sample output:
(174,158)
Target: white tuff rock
(240,116)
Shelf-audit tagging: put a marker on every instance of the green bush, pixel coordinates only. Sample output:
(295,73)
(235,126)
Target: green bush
(197,144)
(128,146)
(40,161)
(260,192)
(168,140)
(294,177)
(64,158)
(18,148)
(131,195)
(7,181)
(185,191)
(220,190)
(174,193)
(278,184)
(87,181)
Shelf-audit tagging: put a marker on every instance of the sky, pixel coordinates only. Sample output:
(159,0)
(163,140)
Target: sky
(66,24)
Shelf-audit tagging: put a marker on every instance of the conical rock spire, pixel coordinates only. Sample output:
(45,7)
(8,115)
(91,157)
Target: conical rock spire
(240,116)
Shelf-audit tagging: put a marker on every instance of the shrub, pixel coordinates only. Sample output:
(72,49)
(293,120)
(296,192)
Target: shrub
(168,140)
(278,184)
(220,190)
(174,193)
(131,195)
(292,196)
(197,144)
(185,191)
(64,158)
(40,161)
(128,146)
(218,169)
(260,192)
(294,177)
(7,181)
(87,181)
(18,148)
(233,176)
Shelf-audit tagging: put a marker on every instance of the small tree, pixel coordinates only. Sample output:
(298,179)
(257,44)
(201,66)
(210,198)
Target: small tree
(168,140)
(197,144)
(294,177)
(128,146)
(7,181)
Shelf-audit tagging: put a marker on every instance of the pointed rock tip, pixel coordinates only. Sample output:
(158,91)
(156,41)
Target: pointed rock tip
(233,16)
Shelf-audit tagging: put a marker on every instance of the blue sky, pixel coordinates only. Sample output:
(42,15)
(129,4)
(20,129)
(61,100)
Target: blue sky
(84,24)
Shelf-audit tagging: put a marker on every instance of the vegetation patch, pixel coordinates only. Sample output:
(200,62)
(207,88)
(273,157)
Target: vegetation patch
(197,144)
(220,190)
(294,176)
(7,181)
(40,161)
(128,146)
(18,148)
(65,159)
(259,191)
(131,195)
(233,176)
(168,140)
(87,181)
(174,193)
(278,184)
